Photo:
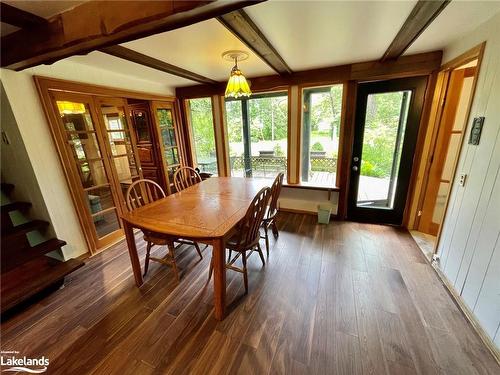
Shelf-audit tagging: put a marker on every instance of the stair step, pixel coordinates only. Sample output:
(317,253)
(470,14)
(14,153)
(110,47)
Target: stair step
(24,228)
(33,277)
(20,206)
(12,259)
(7,188)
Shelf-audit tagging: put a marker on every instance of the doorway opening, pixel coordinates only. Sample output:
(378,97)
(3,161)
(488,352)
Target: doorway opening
(447,128)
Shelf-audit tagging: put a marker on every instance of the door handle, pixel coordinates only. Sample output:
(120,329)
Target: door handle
(355,168)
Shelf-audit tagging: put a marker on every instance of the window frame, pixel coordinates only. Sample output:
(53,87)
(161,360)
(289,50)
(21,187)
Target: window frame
(246,125)
(343,141)
(190,133)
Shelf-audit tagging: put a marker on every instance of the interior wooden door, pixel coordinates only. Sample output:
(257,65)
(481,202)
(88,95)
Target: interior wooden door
(169,135)
(121,144)
(88,168)
(447,149)
(148,146)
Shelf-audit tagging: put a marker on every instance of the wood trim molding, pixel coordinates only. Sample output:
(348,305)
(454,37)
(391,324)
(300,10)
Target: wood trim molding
(405,66)
(435,117)
(88,88)
(348,114)
(421,16)
(150,62)
(96,24)
(20,18)
(241,25)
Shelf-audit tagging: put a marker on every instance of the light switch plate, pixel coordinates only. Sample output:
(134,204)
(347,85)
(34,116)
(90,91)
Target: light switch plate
(462,178)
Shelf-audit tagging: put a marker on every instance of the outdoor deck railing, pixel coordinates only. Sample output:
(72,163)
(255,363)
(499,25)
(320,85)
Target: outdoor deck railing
(278,164)
(262,165)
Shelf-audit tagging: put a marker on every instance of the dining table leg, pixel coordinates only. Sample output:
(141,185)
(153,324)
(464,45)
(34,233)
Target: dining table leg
(132,250)
(219,260)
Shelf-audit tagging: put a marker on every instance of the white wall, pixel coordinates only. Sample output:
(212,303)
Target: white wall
(470,243)
(34,130)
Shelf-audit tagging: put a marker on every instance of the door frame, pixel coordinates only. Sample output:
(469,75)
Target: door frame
(434,123)
(418,86)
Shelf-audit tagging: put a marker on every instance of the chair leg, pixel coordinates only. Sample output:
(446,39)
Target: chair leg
(198,249)
(172,255)
(211,268)
(266,235)
(146,261)
(245,276)
(230,255)
(259,250)
(275,228)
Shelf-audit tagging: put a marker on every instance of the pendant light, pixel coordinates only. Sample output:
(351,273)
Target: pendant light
(237,85)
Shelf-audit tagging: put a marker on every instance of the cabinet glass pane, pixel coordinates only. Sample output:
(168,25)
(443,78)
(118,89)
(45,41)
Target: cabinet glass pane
(141,126)
(172,156)
(166,124)
(125,167)
(105,222)
(84,145)
(75,116)
(92,173)
(99,199)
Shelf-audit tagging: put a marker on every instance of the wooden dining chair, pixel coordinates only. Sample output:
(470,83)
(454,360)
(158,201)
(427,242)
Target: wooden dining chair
(246,239)
(141,193)
(185,177)
(269,220)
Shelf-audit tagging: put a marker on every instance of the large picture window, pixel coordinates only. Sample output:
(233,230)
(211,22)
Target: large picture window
(258,132)
(202,127)
(322,111)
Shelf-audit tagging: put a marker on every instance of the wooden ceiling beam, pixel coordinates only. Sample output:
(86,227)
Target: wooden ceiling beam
(421,16)
(20,18)
(242,26)
(151,62)
(97,24)
(407,66)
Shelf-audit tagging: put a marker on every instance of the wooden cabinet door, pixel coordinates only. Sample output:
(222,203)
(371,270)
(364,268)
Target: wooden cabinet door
(148,147)
(170,139)
(121,144)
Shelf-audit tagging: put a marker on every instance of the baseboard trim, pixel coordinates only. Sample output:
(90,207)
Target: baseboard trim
(469,315)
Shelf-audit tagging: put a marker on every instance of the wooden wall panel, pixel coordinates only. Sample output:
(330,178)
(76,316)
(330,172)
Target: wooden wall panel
(469,247)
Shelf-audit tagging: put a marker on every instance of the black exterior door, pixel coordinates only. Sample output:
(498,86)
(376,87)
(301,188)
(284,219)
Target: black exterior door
(385,136)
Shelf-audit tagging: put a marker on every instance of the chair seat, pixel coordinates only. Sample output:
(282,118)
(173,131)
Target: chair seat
(232,244)
(157,239)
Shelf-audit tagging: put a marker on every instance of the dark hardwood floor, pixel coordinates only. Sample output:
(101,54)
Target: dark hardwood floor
(346,298)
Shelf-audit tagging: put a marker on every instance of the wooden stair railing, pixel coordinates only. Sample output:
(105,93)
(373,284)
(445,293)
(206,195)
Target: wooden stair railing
(26,271)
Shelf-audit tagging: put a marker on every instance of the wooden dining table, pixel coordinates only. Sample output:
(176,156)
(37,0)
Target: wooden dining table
(206,212)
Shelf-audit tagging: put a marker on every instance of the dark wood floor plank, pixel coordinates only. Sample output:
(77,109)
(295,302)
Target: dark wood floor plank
(345,298)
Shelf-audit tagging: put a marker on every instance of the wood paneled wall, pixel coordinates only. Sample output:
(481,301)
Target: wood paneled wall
(470,242)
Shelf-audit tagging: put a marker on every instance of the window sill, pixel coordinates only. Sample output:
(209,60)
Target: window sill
(305,185)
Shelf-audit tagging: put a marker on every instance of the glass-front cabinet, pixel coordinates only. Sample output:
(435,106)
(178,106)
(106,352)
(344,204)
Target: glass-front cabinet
(169,136)
(98,152)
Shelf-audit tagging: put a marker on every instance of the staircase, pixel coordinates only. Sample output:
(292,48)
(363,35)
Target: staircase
(26,271)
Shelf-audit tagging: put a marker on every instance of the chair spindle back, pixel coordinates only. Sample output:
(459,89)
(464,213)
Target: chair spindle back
(143,192)
(185,177)
(249,226)
(275,193)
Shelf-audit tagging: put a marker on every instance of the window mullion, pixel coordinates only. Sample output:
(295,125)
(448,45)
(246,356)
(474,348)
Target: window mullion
(247,138)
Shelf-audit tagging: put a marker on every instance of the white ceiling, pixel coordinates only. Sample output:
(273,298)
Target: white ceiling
(307,34)
(457,19)
(198,48)
(314,34)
